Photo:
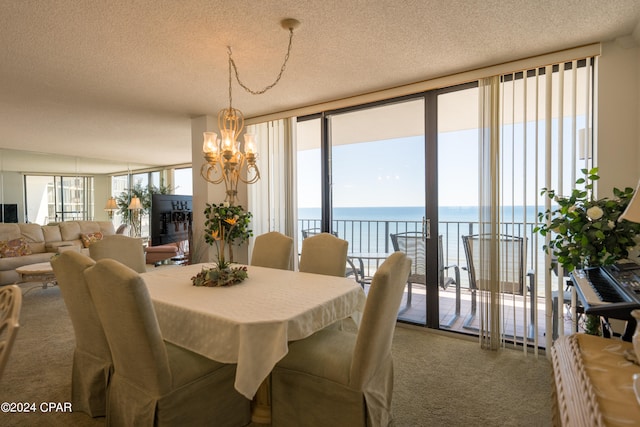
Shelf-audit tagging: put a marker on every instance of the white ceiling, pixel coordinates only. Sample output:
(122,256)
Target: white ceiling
(117,81)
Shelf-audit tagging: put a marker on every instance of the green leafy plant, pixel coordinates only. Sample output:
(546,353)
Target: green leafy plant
(143,193)
(586,232)
(226,225)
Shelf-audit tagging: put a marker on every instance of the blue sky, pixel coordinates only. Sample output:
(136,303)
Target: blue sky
(391,173)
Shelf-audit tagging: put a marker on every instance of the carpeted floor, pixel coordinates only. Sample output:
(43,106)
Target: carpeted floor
(439,380)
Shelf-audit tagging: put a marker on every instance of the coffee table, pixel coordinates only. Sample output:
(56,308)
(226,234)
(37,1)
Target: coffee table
(40,272)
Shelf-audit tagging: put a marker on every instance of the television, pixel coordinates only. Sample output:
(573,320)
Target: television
(171,217)
(9,212)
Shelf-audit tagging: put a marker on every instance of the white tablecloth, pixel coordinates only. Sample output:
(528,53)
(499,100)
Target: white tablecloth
(252,322)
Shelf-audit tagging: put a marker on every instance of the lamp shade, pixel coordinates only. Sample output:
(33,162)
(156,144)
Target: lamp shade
(111,205)
(135,204)
(632,213)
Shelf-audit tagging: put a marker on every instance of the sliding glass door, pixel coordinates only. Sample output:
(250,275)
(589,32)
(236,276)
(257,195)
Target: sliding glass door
(456,133)
(377,187)
(398,176)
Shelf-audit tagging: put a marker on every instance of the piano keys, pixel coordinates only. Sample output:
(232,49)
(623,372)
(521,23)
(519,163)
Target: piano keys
(608,291)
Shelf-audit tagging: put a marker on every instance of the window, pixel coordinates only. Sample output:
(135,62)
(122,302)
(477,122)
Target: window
(58,198)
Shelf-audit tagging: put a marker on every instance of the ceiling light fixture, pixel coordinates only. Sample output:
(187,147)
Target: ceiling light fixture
(224,159)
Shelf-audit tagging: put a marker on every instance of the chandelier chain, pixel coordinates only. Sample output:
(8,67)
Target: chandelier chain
(245,87)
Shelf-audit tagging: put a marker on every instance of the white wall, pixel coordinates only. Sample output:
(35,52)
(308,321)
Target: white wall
(12,191)
(101,193)
(618,118)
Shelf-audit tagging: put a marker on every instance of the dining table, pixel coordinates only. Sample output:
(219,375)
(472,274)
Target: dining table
(251,323)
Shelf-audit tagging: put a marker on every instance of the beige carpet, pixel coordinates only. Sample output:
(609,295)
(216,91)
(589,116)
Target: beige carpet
(439,380)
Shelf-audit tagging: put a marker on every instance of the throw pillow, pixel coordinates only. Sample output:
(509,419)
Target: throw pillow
(89,238)
(14,248)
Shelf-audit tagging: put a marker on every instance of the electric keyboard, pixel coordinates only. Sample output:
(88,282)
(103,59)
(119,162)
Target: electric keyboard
(608,291)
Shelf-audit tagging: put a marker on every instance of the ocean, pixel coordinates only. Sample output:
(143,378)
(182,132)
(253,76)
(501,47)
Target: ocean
(414,213)
(367,228)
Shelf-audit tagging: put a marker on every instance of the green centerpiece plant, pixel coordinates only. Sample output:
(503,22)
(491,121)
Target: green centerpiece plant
(225,226)
(585,232)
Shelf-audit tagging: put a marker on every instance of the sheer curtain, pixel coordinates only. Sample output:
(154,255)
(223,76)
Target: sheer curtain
(535,132)
(272,199)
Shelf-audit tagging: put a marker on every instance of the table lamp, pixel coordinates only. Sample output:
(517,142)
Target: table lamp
(632,213)
(111,207)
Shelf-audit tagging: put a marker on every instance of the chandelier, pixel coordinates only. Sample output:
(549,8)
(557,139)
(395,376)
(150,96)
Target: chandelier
(225,161)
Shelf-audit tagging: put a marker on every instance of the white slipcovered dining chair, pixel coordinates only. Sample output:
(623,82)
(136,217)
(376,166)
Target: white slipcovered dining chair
(156,383)
(273,250)
(91,357)
(338,378)
(324,253)
(10,305)
(125,249)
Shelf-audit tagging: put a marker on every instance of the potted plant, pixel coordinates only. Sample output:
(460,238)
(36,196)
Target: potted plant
(585,232)
(144,194)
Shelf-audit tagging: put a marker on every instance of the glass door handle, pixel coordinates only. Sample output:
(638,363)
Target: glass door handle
(426,227)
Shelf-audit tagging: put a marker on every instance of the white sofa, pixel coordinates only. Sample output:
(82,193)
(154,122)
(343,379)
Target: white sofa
(43,241)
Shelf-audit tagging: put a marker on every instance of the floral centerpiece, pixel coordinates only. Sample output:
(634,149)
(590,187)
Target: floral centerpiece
(224,226)
(586,232)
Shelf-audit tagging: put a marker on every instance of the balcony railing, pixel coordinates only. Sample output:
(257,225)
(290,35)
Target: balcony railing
(373,236)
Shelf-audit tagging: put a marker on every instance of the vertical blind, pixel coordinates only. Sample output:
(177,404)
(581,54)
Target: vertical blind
(272,198)
(535,132)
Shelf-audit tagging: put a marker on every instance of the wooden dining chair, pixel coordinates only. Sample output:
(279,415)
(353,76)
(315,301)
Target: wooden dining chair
(324,253)
(125,249)
(338,378)
(10,305)
(156,383)
(273,250)
(92,363)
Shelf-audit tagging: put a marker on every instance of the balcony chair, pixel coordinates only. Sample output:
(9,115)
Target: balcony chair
(412,243)
(127,250)
(314,231)
(10,305)
(156,383)
(92,365)
(273,250)
(338,378)
(512,275)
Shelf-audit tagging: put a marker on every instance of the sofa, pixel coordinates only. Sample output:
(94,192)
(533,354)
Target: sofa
(23,244)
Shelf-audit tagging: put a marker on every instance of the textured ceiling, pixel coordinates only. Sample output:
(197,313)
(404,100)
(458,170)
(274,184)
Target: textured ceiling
(119,80)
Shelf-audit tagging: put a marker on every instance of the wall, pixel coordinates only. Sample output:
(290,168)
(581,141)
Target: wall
(12,191)
(618,117)
(101,193)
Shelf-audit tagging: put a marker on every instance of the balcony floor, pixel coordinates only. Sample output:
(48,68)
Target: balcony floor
(416,313)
